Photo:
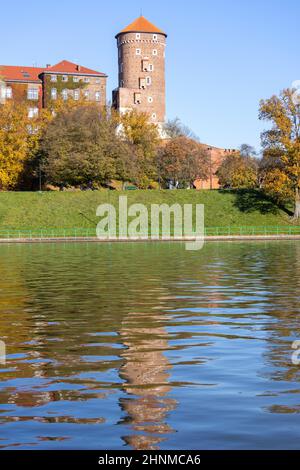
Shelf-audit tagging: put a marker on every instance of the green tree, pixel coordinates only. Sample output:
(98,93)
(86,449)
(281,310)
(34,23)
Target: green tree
(80,148)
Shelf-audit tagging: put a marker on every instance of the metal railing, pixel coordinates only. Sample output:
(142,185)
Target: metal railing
(79,233)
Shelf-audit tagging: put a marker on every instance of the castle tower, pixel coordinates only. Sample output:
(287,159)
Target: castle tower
(141,49)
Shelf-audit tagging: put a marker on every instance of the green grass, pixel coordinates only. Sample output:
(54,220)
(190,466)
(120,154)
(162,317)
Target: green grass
(78,210)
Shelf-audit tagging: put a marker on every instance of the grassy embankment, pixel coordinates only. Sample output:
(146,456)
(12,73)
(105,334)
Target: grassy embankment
(53,210)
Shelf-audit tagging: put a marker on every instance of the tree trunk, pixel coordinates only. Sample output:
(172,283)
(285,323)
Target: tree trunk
(297,204)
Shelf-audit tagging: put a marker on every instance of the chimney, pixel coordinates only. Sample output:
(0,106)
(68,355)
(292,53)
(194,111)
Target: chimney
(78,68)
(48,65)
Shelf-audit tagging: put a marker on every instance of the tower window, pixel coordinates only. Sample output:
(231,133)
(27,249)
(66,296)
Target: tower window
(145,65)
(137,98)
(142,83)
(154,37)
(150,99)
(148,81)
(154,116)
(154,52)
(138,52)
(150,67)
(137,36)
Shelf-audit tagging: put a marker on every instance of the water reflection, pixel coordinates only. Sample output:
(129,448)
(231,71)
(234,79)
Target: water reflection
(150,346)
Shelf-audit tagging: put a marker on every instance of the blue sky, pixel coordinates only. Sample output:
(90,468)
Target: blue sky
(223,56)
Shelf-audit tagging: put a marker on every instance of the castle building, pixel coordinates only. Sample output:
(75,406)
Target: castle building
(141,58)
(40,87)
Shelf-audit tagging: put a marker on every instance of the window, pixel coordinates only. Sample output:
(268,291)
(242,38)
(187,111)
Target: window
(75,79)
(86,94)
(154,116)
(145,65)
(137,98)
(53,78)
(151,68)
(65,78)
(8,93)
(154,52)
(98,96)
(86,80)
(142,83)
(98,80)
(154,37)
(137,36)
(53,93)
(121,67)
(148,81)
(150,99)
(138,52)
(76,95)
(33,94)
(33,112)
(64,95)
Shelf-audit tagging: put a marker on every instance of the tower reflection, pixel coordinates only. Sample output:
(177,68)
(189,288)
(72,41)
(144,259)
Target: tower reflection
(146,373)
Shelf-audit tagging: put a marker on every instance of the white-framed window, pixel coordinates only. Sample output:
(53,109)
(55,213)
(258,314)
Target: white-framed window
(154,37)
(53,93)
(76,95)
(33,112)
(137,36)
(86,80)
(154,52)
(148,81)
(98,96)
(8,92)
(53,78)
(138,52)
(150,99)
(65,78)
(153,116)
(150,67)
(32,94)
(98,80)
(75,79)
(64,94)
(86,94)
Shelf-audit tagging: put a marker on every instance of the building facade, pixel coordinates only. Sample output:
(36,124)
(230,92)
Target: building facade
(41,87)
(141,59)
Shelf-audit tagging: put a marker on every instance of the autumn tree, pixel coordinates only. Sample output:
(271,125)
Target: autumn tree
(239,170)
(182,160)
(80,148)
(143,138)
(175,128)
(19,142)
(282,142)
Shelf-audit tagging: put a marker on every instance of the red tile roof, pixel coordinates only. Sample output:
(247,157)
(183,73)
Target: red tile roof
(69,67)
(20,73)
(141,25)
(31,74)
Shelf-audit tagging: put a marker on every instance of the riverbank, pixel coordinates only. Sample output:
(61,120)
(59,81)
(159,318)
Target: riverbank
(229,238)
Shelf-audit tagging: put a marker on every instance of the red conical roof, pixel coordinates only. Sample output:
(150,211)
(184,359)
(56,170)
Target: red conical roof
(141,25)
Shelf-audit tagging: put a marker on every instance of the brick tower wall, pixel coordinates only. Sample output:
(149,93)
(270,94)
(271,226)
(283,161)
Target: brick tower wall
(142,74)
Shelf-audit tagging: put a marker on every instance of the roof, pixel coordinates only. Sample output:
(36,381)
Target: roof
(20,73)
(32,74)
(69,67)
(141,25)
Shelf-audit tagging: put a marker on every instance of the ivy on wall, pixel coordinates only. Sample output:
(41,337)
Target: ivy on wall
(60,85)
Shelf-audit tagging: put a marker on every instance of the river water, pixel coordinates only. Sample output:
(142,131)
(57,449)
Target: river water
(148,346)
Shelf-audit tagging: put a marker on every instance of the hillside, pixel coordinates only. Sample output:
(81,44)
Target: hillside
(75,210)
